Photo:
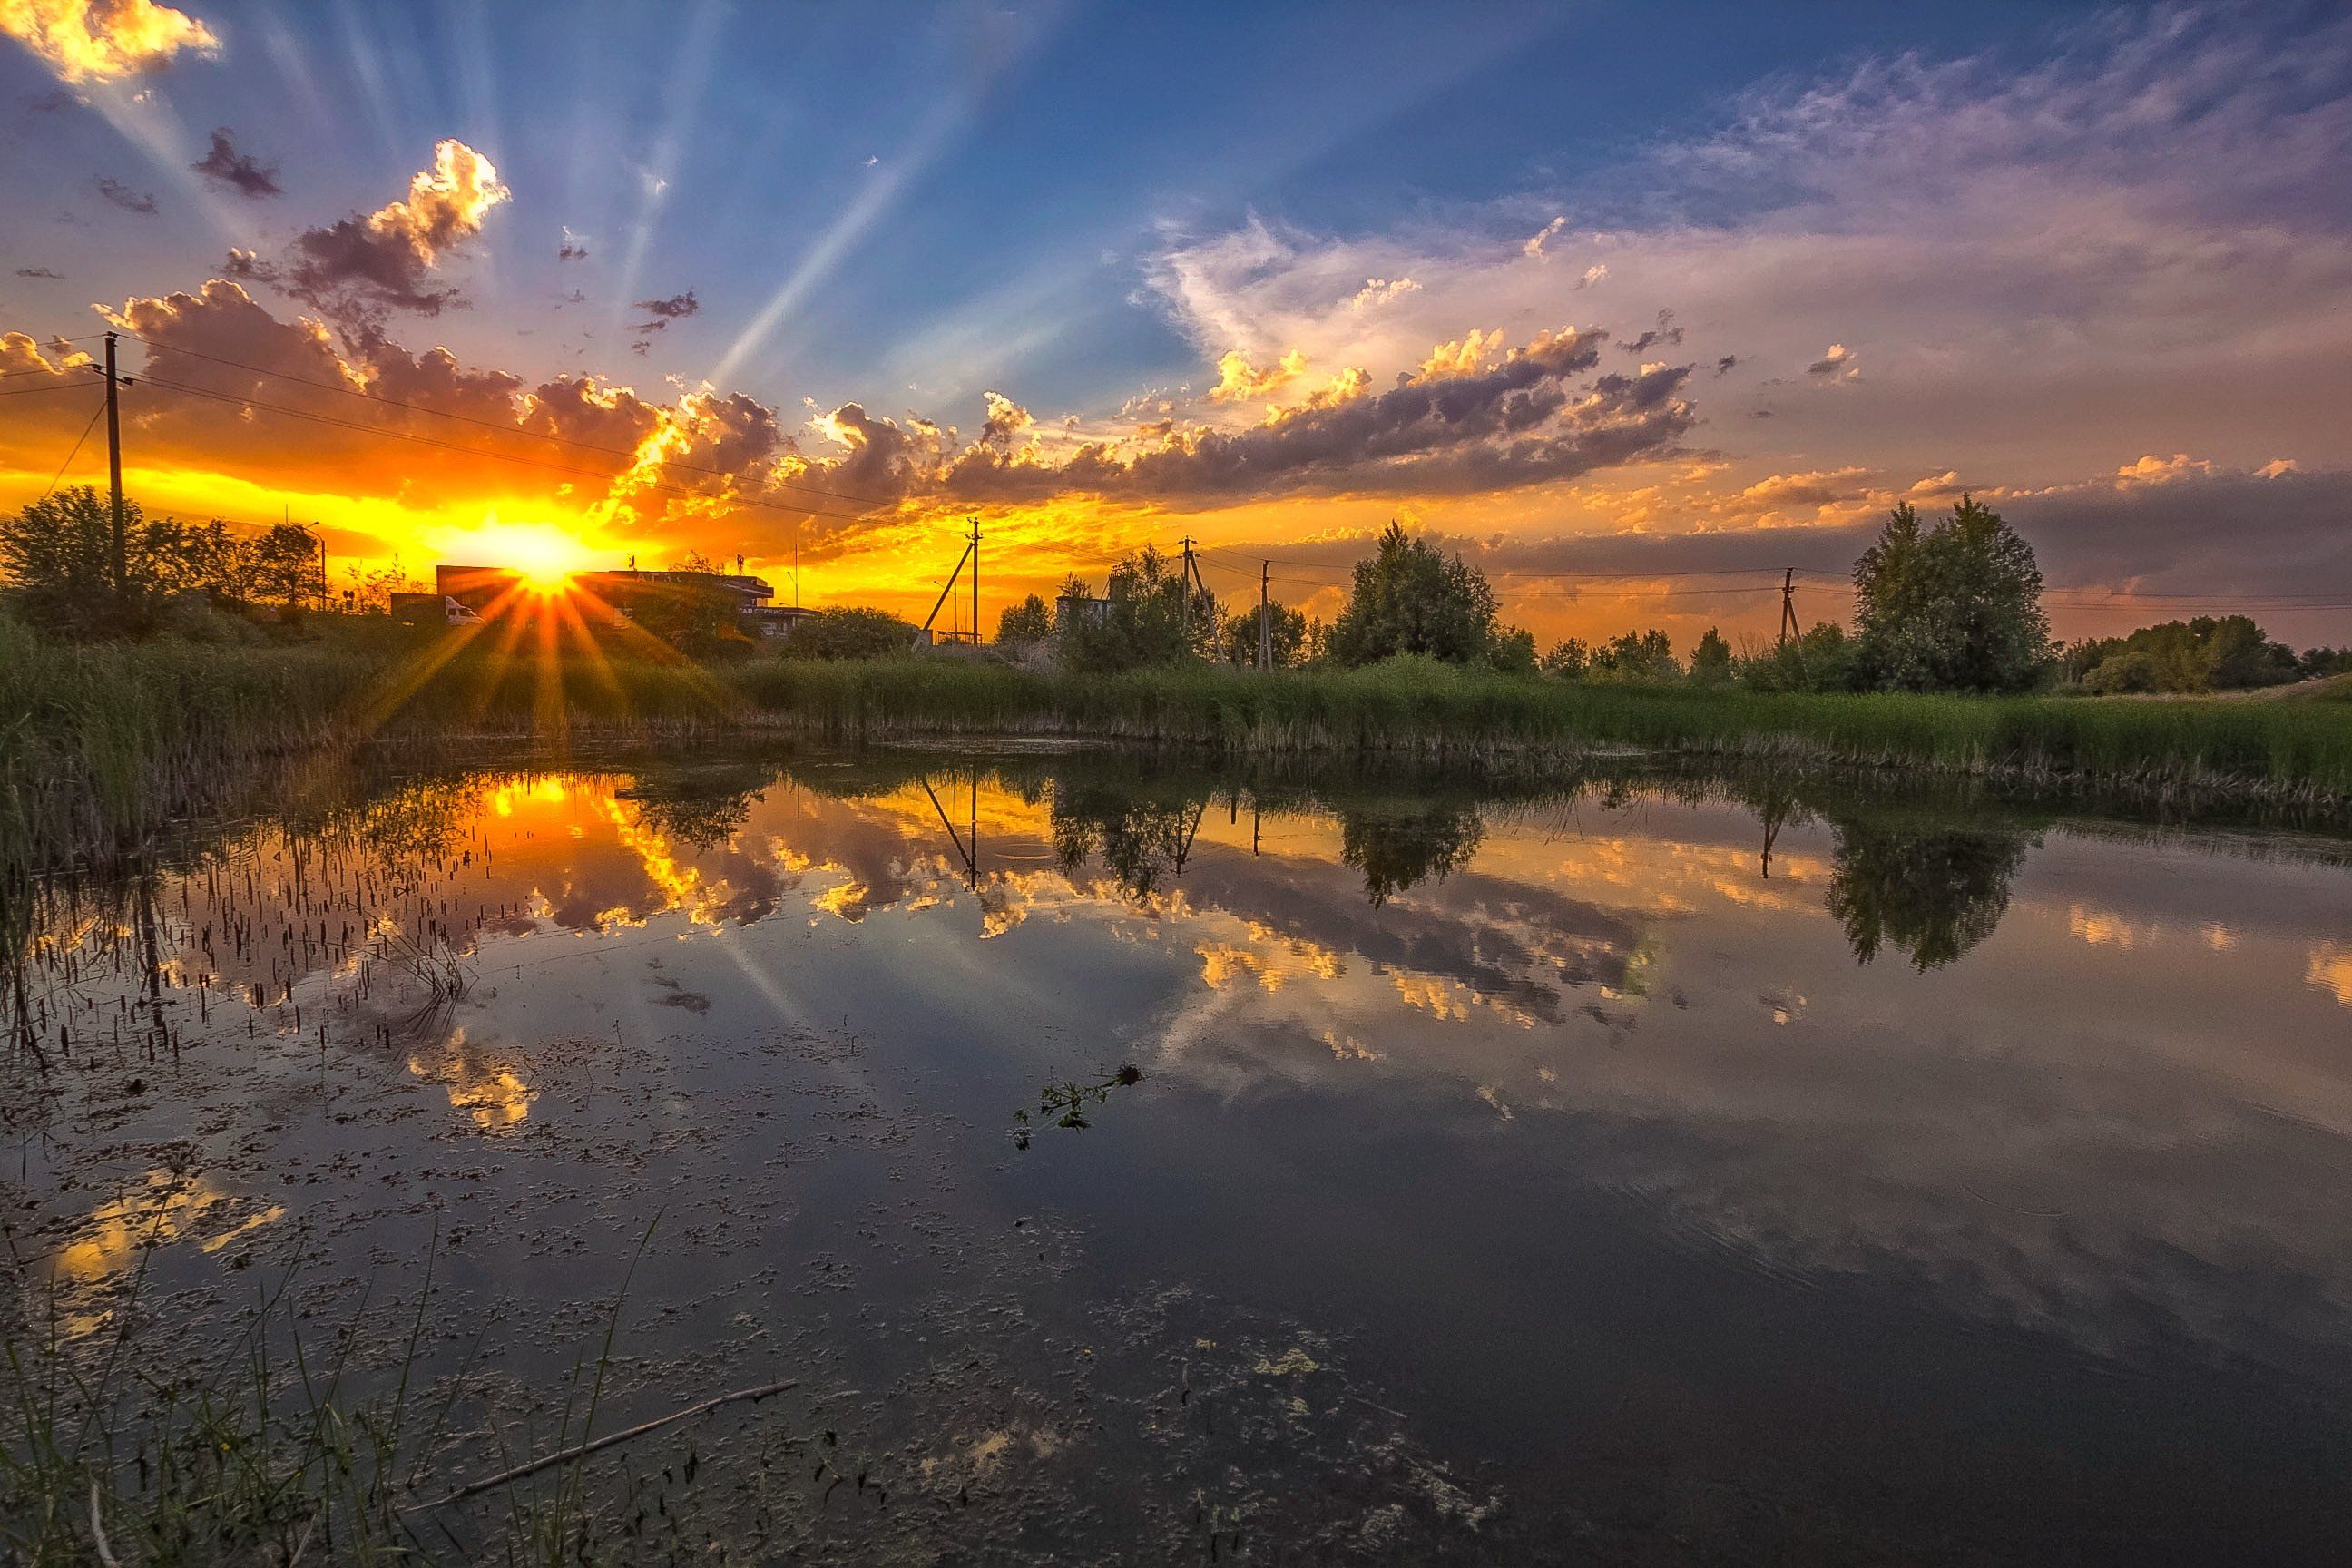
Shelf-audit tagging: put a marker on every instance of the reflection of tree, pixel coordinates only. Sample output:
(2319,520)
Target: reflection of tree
(1397,847)
(1932,895)
(698,808)
(1143,843)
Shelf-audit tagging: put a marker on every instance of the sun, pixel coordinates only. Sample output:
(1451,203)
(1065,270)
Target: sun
(543,555)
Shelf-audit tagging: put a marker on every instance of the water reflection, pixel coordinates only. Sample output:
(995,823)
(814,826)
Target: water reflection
(1930,895)
(1527,1065)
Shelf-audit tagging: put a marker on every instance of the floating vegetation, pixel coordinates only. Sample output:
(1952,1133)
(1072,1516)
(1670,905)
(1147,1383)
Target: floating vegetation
(1065,1103)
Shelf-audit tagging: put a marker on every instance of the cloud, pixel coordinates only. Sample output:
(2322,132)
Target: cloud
(387,259)
(573,247)
(1507,424)
(123,197)
(2152,470)
(1838,361)
(1238,381)
(39,272)
(660,313)
(86,41)
(225,165)
(1534,247)
(1379,291)
(1665,334)
(2141,236)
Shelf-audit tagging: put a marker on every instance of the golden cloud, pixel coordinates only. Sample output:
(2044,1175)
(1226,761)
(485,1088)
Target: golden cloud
(103,40)
(1239,381)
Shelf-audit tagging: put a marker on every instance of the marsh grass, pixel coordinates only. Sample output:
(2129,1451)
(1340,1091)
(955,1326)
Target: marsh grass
(277,1456)
(102,744)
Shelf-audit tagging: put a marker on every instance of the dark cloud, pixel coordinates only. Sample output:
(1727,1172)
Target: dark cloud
(2217,533)
(1723,366)
(660,313)
(387,259)
(1665,334)
(123,197)
(572,247)
(246,175)
(1522,421)
(37,272)
(1839,358)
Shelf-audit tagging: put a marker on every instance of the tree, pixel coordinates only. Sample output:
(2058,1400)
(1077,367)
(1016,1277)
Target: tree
(1511,650)
(1954,607)
(1408,598)
(1286,629)
(282,567)
(369,589)
(59,553)
(1024,624)
(1638,657)
(2208,654)
(1710,662)
(1567,659)
(1152,616)
(849,632)
(1821,660)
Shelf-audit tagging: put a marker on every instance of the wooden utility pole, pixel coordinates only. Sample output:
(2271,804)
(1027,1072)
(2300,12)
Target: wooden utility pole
(1265,626)
(1184,596)
(975,585)
(1788,606)
(114,480)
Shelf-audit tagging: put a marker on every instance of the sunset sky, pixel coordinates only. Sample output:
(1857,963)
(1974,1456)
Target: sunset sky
(1633,304)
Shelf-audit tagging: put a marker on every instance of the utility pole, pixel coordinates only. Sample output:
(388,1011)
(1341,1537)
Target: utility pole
(114,480)
(975,601)
(1265,626)
(1184,596)
(1788,606)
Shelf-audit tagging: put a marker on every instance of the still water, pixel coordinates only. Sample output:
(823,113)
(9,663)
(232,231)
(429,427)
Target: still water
(1137,1163)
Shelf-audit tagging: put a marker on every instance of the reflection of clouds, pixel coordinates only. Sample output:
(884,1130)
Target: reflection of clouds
(166,1207)
(492,1095)
(2331,969)
(2103,928)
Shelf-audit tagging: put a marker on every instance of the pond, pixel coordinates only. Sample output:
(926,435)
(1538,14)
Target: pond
(1133,1157)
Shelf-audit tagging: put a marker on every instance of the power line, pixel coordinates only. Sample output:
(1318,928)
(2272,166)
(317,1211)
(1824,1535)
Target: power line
(56,478)
(495,425)
(38,391)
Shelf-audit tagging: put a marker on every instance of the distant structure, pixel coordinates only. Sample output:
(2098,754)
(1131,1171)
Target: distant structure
(1079,609)
(615,596)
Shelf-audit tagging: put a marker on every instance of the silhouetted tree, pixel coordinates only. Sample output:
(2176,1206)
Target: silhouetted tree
(1710,662)
(1287,629)
(1152,617)
(1024,624)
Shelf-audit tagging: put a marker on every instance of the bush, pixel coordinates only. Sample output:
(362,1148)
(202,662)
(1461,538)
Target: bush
(850,633)
(2137,670)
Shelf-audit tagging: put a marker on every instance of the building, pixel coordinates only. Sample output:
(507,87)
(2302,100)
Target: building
(615,596)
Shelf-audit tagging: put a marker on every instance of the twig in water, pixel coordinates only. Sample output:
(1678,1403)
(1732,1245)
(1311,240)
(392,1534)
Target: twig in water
(583,1450)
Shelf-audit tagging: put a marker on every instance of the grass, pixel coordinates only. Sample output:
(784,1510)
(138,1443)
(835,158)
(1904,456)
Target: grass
(100,745)
(275,1456)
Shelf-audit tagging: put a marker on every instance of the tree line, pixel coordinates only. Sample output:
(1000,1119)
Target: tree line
(59,556)
(1948,605)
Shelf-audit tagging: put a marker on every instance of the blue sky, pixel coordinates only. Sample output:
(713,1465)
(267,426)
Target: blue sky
(2072,257)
